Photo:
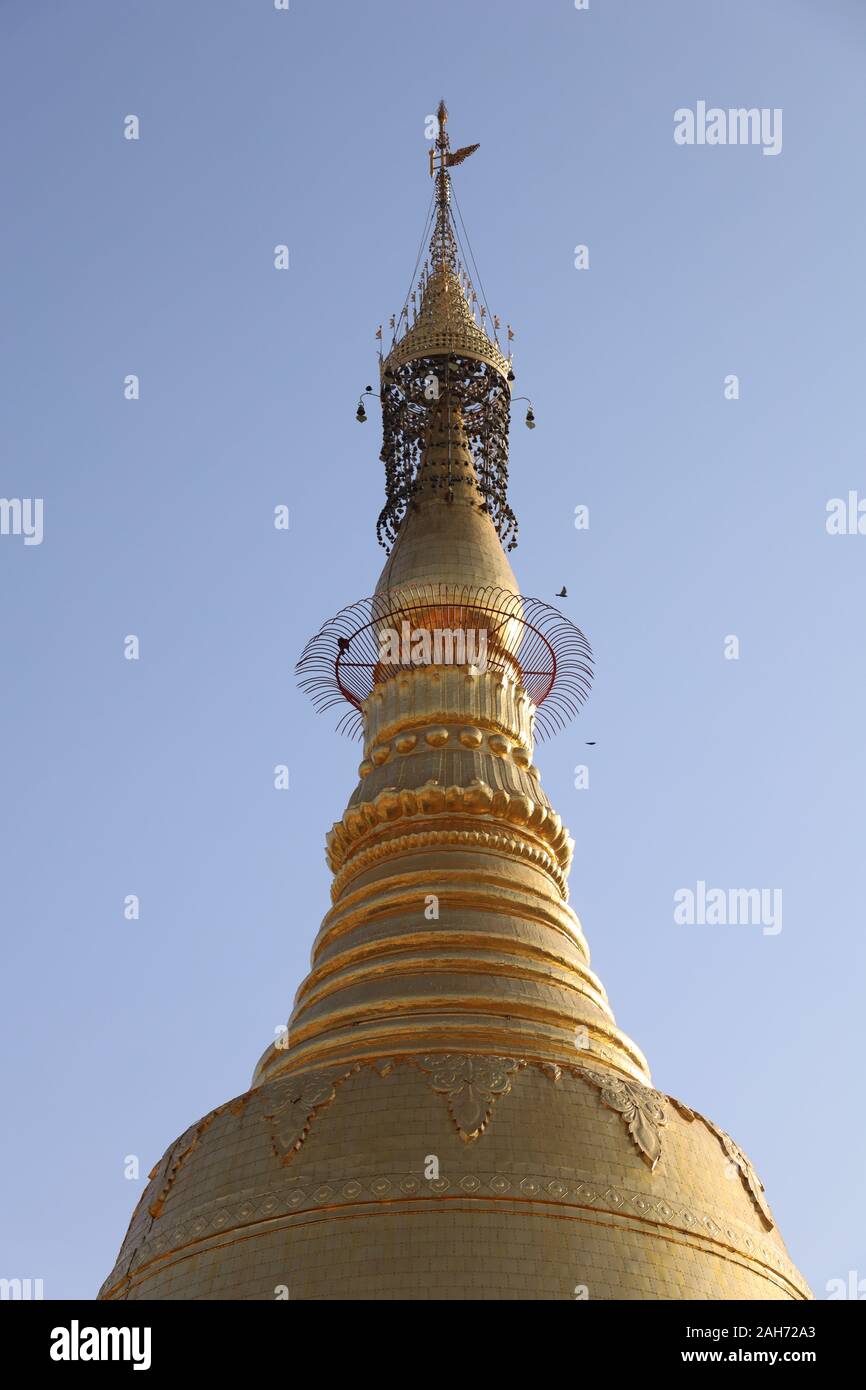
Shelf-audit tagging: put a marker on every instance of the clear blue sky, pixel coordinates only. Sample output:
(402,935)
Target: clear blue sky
(707,518)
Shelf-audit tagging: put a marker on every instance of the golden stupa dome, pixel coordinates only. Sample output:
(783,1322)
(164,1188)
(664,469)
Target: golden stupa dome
(452,1112)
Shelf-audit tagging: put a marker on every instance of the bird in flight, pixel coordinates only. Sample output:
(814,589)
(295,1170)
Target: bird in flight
(563,593)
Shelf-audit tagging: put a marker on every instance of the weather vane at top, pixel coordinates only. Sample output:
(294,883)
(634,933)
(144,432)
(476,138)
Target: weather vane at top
(441,156)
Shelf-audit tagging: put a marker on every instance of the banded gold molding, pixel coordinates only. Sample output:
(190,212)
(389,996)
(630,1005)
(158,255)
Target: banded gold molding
(463,721)
(465,887)
(399,845)
(316,1049)
(597,1201)
(437,735)
(391,807)
(411,700)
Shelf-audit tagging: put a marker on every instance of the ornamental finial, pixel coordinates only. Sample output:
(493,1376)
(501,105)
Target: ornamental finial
(442,158)
(441,350)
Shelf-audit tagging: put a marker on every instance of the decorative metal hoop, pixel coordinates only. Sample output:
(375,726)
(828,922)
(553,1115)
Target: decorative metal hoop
(533,642)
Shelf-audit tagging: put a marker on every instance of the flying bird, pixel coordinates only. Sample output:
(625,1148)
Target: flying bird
(590,743)
(563,593)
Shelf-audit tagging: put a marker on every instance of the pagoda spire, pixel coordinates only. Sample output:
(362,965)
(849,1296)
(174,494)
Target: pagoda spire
(450,1014)
(443,247)
(449,800)
(445,352)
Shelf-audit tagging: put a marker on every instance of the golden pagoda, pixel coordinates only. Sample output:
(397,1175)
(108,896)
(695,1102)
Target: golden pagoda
(452,1112)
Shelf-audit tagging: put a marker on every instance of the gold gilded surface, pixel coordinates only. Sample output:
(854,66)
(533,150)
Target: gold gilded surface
(485,702)
(642,1109)
(445,325)
(445,542)
(454,1112)
(408,807)
(472,1085)
(294,1104)
(551,1192)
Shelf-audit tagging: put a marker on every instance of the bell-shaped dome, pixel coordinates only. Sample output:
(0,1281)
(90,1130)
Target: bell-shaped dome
(445,324)
(452,1111)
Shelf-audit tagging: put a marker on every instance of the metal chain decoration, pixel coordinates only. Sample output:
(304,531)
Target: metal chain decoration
(407,409)
(445,355)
